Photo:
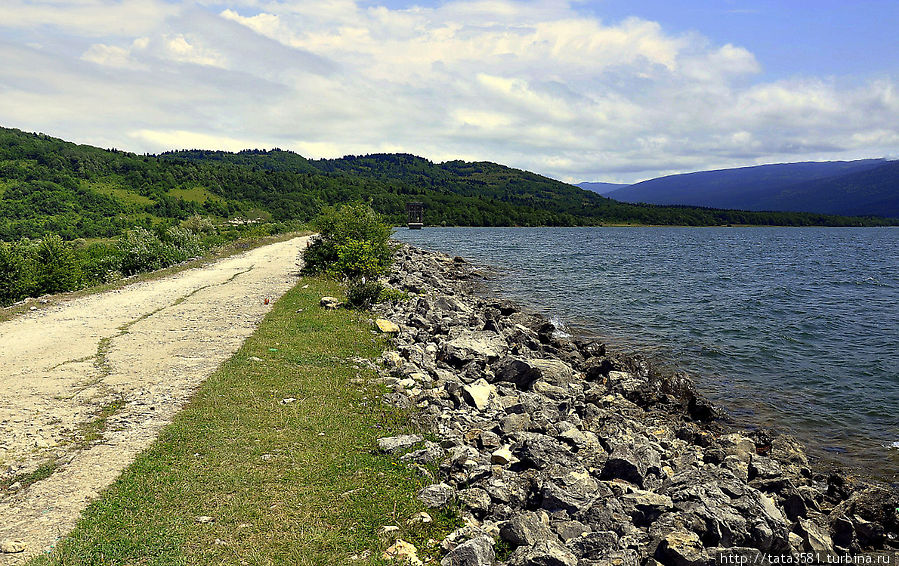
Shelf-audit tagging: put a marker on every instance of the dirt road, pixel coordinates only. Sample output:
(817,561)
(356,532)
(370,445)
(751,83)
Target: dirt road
(138,352)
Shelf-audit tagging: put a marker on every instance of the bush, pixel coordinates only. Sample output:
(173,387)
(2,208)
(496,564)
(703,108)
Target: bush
(200,225)
(352,241)
(362,293)
(15,273)
(57,271)
(143,250)
(352,244)
(100,263)
(360,258)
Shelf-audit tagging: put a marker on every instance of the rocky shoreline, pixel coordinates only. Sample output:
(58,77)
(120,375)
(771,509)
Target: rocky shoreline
(562,453)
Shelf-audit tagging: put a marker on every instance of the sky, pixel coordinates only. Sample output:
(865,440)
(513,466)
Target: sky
(578,90)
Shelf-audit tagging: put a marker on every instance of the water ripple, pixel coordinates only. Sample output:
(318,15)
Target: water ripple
(793,327)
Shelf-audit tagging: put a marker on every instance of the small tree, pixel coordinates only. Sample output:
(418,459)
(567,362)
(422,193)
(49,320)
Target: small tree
(352,244)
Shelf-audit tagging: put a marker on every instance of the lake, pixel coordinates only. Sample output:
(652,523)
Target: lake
(791,328)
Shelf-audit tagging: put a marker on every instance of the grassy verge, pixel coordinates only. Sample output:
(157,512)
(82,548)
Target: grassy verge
(214,254)
(285,482)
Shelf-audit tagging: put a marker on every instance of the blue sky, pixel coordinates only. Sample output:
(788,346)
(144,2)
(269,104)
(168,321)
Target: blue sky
(578,90)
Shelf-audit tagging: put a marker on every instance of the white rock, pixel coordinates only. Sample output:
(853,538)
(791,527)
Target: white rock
(404,553)
(10,546)
(479,393)
(387,326)
(501,456)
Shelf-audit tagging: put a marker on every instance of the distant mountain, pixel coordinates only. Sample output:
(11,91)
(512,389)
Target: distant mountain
(869,191)
(601,188)
(867,187)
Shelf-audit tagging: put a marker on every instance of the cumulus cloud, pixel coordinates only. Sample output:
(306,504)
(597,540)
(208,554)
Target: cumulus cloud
(535,84)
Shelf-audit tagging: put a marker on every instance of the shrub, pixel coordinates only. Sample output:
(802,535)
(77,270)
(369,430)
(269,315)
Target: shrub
(15,273)
(352,244)
(200,225)
(389,294)
(181,245)
(360,258)
(143,250)
(100,263)
(57,270)
(357,232)
(362,293)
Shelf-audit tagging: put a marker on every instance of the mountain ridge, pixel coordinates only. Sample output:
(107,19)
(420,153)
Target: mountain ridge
(48,185)
(797,187)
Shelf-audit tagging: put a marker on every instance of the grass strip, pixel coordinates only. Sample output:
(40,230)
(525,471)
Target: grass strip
(284,482)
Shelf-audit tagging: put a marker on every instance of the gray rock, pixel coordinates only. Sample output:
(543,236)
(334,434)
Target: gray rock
(476,500)
(515,423)
(572,492)
(568,530)
(595,545)
(525,529)
(475,552)
(682,548)
(431,452)
(624,464)
(393,444)
(544,553)
(540,450)
(436,495)
(525,372)
(764,468)
(647,505)
(470,346)
(814,538)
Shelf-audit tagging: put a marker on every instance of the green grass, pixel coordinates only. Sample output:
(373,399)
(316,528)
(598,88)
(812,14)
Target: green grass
(194,194)
(295,483)
(125,196)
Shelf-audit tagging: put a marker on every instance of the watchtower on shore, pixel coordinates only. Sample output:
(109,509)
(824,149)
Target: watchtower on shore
(415,212)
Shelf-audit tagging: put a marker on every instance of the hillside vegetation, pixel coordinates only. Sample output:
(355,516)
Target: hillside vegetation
(48,185)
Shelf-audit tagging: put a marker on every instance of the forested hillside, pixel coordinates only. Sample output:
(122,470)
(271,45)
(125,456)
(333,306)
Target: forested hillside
(866,186)
(48,185)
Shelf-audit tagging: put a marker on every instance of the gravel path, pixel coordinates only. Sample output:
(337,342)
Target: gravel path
(145,347)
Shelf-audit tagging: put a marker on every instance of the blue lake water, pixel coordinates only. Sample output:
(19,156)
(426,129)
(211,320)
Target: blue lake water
(792,328)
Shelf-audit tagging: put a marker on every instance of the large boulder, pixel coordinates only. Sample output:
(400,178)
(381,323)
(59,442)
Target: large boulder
(475,552)
(525,529)
(482,346)
(525,372)
(544,553)
(436,495)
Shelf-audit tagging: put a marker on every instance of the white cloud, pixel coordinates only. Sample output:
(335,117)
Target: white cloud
(90,18)
(178,48)
(183,139)
(534,84)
